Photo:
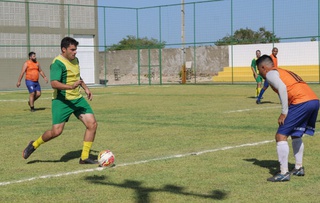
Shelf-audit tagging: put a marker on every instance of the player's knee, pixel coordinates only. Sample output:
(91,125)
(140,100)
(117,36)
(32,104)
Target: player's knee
(56,132)
(93,125)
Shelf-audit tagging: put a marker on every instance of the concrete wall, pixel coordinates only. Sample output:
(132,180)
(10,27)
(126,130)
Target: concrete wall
(206,62)
(294,53)
(39,27)
(10,71)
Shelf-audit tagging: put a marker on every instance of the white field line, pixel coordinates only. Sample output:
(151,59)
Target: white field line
(25,100)
(21,100)
(253,109)
(133,163)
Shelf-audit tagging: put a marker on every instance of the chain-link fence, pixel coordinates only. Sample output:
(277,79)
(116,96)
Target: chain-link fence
(192,34)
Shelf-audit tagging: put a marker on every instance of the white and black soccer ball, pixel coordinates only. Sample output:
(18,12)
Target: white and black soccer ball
(106,158)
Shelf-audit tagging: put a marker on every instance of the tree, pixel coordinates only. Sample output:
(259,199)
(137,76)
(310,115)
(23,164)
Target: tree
(131,42)
(248,36)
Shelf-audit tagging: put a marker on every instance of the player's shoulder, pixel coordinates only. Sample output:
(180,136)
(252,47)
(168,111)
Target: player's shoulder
(57,63)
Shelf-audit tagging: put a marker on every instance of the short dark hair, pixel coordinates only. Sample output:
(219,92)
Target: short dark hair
(67,41)
(31,53)
(264,58)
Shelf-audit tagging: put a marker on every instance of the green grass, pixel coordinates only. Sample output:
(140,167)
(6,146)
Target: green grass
(155,124)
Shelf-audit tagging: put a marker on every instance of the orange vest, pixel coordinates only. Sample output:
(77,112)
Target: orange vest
(298,91)
(32,72)
(275,60)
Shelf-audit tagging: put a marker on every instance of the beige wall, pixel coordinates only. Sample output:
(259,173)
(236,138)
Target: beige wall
(208,61)
(11,68)
(39,27)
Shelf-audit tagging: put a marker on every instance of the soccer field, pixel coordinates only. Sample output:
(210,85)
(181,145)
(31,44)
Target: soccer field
(178,143)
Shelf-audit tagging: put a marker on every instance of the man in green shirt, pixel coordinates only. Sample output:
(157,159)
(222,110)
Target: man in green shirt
(255,72)
(67,99)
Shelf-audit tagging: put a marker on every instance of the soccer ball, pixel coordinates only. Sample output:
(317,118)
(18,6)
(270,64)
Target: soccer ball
(106,158)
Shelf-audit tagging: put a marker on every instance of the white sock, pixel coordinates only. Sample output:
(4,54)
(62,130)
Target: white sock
(298,149)
(283,153)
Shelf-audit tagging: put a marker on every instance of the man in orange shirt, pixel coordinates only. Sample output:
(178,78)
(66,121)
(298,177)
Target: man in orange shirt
(274,58)
(32,69)
(300,106)
(273,55)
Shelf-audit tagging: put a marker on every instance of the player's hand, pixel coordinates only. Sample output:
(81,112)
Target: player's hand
(18,84)
(76,84)
(89,94)
(281,119)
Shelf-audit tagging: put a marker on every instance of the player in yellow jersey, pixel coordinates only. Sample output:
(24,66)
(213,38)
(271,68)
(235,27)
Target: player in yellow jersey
(66,82)
(32,69)
(300,106)
(255,73)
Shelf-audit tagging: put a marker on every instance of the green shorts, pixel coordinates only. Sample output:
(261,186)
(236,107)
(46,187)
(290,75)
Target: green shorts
(259,79)
(62,109)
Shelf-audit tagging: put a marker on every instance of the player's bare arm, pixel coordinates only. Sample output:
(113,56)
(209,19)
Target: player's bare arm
(42,74)
(254,73)
(87,90)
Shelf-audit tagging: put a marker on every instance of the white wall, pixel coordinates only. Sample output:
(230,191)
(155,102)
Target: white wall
(293,53)
(85,54)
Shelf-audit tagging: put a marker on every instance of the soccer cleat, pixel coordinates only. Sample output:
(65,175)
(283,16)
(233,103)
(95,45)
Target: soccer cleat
(28,150)
(31,107)
(297,172)
(280,177)
(87,161)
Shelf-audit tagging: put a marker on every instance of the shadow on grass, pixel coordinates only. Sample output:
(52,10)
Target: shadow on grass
(266,102)
(263,102)
(37,109)
(272,165)
(143,193)
(67,157)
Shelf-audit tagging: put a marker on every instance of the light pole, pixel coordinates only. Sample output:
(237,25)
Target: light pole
(183,67)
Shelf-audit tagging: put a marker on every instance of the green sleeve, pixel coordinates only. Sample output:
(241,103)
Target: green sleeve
(56,70)
(253,63)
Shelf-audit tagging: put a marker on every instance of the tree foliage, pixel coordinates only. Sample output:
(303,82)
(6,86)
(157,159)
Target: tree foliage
(131,42)
(248,36)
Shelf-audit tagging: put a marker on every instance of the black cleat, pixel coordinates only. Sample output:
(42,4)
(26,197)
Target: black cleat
(280,177)
(87,161)
(297,172)
(28,150)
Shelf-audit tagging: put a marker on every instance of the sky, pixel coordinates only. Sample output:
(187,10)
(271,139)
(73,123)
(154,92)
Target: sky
(206,22)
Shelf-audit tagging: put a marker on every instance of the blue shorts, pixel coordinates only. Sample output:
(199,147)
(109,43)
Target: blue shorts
(301,119)
(33,86)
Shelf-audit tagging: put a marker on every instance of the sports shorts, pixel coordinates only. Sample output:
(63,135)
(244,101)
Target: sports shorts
(301,119)
(33,86)
(62,109)
(259,78)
